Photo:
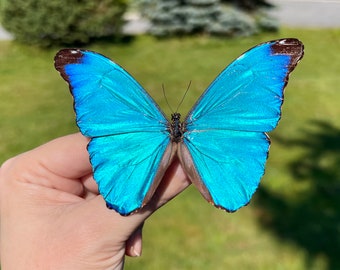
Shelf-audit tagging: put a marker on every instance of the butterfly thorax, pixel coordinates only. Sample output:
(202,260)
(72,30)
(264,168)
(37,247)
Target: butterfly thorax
(176,128)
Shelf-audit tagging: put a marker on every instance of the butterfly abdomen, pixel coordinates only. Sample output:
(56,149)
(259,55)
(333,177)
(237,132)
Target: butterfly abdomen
(176,128)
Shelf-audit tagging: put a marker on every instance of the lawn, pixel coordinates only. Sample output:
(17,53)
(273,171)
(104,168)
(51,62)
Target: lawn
(293,221)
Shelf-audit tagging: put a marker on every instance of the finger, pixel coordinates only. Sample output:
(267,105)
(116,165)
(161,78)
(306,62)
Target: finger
(173,183)
(65,156)
(134,243)
(60,164)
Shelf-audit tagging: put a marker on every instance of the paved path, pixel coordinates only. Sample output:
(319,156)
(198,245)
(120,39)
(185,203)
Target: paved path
(307,13)
(294,13)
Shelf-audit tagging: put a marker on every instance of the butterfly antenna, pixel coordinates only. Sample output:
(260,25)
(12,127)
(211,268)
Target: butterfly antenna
(183,96)
(166,99)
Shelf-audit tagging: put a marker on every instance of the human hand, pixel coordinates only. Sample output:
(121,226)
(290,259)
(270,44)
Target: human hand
(52,216)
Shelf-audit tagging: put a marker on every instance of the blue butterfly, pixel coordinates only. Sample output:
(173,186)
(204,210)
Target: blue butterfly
(221,144)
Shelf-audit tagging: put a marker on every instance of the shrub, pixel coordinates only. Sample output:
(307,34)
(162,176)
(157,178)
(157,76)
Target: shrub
(67,22)
(233,22)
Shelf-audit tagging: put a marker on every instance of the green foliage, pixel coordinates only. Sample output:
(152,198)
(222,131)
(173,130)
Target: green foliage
(233,22)
(183,17)
(67,22)
(176,18)
(267,23)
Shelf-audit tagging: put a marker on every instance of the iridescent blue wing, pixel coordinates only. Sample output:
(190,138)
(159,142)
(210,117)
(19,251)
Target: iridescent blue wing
(129,147)
(225,147)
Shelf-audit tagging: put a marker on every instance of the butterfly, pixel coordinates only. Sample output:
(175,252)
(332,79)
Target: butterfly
(221,144)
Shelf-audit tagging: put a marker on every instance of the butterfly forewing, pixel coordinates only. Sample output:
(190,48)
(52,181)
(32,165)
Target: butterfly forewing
(107,100)
(248,94)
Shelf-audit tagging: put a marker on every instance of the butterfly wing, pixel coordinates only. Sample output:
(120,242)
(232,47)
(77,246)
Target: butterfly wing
(225,147)
(129,148)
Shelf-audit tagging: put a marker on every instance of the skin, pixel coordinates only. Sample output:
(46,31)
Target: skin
(52,217)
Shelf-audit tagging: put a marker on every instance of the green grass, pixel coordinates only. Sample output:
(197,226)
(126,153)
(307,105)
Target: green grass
(293,221)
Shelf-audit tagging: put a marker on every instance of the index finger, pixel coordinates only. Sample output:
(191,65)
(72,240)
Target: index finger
(65,156)
(62,164)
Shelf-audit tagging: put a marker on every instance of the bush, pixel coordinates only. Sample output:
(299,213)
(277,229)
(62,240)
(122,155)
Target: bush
(178,18)
(233,22)
(54,22)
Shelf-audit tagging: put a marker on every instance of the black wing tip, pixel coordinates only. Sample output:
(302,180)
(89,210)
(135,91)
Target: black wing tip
(289,46)
(288,41)
(64,57)
(67,56)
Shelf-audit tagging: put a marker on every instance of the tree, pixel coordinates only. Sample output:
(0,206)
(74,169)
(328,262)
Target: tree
(176,17)
(67,22)
(257,9)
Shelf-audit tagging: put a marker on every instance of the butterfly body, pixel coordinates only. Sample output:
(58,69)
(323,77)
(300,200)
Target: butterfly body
(176,128)
(221,143)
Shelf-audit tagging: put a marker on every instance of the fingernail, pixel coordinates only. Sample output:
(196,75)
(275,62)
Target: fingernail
(135,252)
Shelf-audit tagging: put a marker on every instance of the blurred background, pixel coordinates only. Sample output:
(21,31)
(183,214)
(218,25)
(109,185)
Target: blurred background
(293,221)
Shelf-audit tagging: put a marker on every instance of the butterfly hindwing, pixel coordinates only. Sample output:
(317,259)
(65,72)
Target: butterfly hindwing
(127,167)
(128,132)
(225,147)
(227,170)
